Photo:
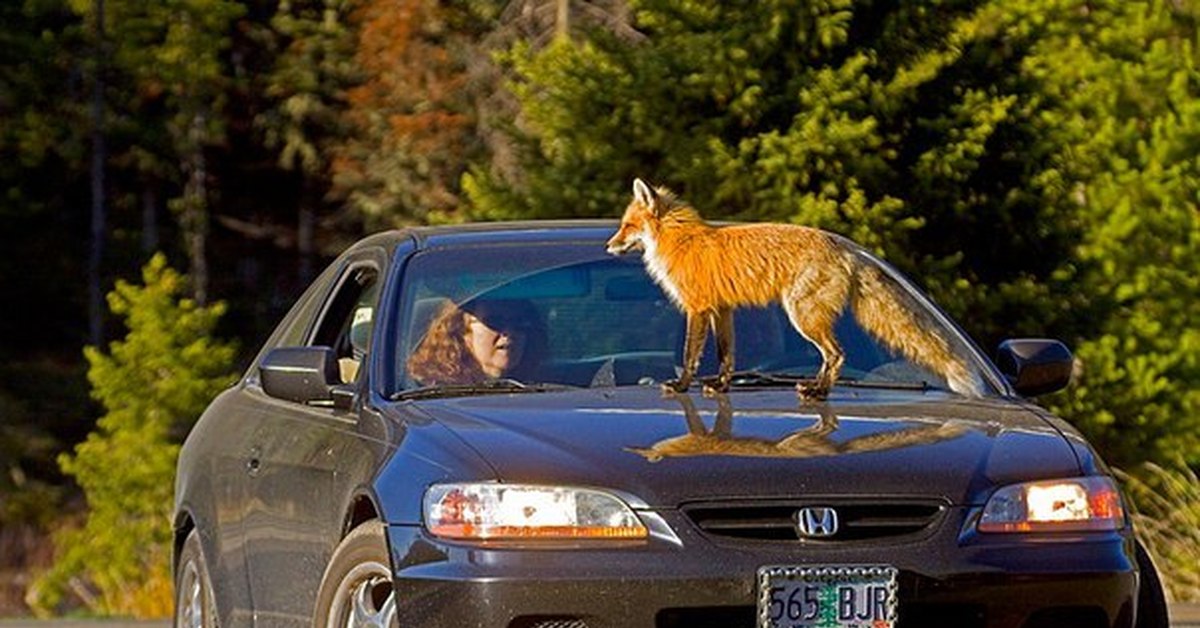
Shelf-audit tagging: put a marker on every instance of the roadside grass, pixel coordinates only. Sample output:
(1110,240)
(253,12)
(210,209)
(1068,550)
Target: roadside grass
(1166,513)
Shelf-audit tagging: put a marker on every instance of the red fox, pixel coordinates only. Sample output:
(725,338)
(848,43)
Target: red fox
(709,271)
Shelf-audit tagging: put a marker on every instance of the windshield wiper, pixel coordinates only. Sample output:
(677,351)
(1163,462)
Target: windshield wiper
(760,379)
(491,386)
(883,383)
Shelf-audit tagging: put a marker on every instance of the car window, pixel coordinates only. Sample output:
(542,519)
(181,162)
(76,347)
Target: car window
(301,319)
(347,323)
(590,319)
(295,325)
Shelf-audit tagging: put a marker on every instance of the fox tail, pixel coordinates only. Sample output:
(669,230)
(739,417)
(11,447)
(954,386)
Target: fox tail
(891,314)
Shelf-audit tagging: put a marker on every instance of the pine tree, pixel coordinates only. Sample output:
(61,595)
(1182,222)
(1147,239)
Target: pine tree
(905,127)
(313,66)
(1031,163)
(1125,119)
(169,56)
(153,384)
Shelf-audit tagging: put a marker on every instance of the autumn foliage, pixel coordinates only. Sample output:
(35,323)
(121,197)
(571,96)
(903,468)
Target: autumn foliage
(411,131)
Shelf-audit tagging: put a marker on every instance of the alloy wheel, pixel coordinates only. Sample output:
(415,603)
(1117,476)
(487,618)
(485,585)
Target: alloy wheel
(364,599)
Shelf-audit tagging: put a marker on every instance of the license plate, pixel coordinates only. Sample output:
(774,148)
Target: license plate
(827,596)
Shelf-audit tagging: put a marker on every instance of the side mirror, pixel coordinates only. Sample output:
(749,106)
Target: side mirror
(300,374)
(1035,366)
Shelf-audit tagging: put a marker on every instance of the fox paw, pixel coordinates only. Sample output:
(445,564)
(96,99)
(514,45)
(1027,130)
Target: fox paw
(812,391)
(672,386)
(714,386)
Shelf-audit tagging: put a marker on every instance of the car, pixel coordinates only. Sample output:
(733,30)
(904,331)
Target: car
(467,426)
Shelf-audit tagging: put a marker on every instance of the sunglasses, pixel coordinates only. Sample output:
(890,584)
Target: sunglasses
(504,322)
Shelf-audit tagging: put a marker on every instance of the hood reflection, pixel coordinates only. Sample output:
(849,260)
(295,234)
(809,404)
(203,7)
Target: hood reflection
(810,442)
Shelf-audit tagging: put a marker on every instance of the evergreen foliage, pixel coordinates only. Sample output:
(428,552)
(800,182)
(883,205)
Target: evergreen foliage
(153,385)
(165,61)
(898,126)
(1026,162)
(1125,125)
(311,44)
(313,67)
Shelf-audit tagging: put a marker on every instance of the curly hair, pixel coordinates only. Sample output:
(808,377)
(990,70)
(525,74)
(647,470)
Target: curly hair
(442,357)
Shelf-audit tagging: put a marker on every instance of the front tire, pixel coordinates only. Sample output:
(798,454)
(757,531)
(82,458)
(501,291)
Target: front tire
(356,590)
(1152,604)
(194,604)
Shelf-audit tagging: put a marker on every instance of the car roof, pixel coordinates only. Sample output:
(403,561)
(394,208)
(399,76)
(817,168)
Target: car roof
(489,233)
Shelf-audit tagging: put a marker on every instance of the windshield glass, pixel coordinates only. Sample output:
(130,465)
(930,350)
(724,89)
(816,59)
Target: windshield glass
(533,315)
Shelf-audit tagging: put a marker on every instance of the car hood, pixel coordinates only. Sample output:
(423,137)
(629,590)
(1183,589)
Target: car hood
(668,450)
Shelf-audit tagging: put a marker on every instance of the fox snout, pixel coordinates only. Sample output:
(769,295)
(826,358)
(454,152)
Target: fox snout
(619,244)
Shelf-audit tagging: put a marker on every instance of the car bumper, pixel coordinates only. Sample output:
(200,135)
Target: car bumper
(694,581)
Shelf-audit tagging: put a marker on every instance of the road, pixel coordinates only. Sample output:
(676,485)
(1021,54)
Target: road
(1182,616)
(1185,615)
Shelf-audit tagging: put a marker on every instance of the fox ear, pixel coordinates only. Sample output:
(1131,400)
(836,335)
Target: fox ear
(644,194)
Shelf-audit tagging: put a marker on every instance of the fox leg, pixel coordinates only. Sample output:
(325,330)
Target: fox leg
(693,344)
(832,357)
(813,308)
(722,322)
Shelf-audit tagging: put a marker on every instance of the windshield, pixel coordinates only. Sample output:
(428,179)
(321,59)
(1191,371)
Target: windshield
(544,316)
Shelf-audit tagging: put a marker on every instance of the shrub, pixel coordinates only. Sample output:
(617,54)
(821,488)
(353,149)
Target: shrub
(153,385)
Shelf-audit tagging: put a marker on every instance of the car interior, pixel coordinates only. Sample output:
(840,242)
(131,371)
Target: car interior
(608,324)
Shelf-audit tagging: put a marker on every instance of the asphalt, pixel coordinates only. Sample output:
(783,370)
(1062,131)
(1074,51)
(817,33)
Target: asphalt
(1185,615)
(1182,616)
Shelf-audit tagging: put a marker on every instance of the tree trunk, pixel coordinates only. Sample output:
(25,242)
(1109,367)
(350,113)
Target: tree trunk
(149,221)
(99,212)
(194,217)
(562,24)
(305,228)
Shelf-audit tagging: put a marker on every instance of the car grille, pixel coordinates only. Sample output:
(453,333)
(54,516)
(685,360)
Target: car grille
(548,622)
(776,521)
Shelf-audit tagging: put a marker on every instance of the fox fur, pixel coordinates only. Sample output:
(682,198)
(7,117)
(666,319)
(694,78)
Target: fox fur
(709,271)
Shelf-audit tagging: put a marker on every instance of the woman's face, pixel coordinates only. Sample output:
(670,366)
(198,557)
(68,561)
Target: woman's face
(496,342)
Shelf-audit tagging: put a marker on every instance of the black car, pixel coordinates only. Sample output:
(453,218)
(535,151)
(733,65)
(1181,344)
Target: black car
(466,426)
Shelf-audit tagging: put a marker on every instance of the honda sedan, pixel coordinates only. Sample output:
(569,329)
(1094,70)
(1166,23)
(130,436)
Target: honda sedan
(467,427)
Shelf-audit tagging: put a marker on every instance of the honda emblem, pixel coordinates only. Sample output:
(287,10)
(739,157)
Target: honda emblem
(816,522)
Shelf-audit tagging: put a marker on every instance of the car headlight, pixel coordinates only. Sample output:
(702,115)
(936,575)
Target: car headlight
(1069,505)
(486,511)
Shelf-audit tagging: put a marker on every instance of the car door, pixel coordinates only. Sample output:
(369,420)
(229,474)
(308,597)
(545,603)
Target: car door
(219,484)
(294,514)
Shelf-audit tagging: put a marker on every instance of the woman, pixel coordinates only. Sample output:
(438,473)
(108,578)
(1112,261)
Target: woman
(479,340)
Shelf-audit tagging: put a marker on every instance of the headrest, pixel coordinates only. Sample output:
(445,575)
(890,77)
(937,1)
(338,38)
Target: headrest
(360,329)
